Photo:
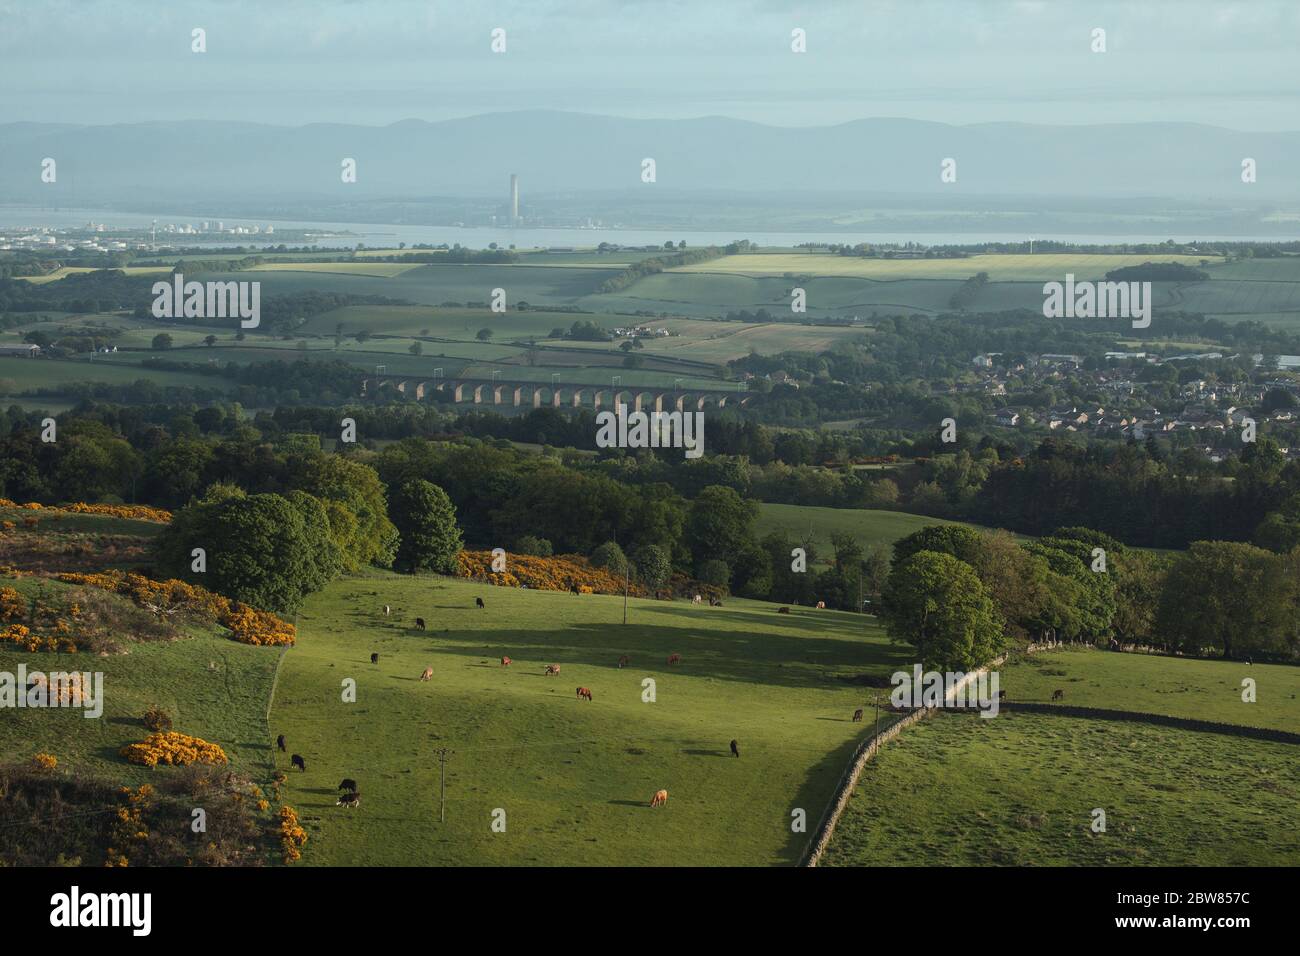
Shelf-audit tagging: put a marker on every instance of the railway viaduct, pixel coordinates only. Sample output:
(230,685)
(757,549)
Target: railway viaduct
(538,395)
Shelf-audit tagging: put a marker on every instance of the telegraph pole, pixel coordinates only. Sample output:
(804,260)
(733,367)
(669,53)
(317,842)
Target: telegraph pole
(442,800)
(627,576)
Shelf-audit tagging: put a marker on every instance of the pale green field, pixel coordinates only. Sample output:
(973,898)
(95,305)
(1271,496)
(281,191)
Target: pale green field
(1001,268)
(373,269)
(70,270)
(871,529)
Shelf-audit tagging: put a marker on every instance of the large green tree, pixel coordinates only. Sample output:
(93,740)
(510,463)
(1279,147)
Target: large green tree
(426,521)
(937,604)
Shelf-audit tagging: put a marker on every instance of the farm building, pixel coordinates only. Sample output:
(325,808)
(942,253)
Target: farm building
(26,351)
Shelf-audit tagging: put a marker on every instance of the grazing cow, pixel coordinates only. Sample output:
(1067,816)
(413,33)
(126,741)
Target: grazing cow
(821,605)
(697,600)
(374,658)
(659,799)
(1058,695)
(349,800)
(298,762)
(735,749)
(715,602)
(387,610)
(506,662)
(573,589)
(675,659)
(1250,661)
(428,672)
(478,602)
(279,742)
(348,784)
(857,715)
(622,661)
(584,693)
(1002,695)
(783,610)
(419,622)
(552,670)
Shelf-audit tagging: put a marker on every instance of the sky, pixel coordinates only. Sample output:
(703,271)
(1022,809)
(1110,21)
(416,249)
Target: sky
(291,62)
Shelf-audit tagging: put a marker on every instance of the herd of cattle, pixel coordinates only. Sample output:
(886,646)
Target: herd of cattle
(351,797)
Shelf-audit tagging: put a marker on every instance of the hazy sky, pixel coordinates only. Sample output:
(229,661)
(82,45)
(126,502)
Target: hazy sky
(1225,63)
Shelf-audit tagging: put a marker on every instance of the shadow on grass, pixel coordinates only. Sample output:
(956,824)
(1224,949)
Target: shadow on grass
(773,659)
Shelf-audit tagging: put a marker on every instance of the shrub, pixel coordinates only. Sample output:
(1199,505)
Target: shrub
(157,720)
(44,761)
(173,749)
(611,557)
(534,546)
(292,836)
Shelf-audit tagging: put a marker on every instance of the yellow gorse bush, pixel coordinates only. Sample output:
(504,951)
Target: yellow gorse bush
(134,512)
(174,749)
(247,624)
(44,761)
(543,574)
(292,836)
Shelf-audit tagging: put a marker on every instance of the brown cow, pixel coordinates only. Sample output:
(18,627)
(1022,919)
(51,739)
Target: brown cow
(552,669)
(821,605)
(1058,695)
(857,715)
(659,799)
(675,659)
(506,662)
(622,661)
(584,693)
(428,672)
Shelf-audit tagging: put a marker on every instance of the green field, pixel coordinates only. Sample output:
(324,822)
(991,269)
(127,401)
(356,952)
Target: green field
(1042,267)
(18,375)
(872,529)
(574,778)
(225,704)
(1177,687)
(1020,789)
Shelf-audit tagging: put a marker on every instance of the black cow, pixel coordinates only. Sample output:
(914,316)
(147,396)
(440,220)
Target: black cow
(478,602)
(349,800)
(1002,695)
(1058,695)
(419,622)
(573,589)
(298,762)
(374,658)
(348,784)
(735,749)
(857,715)
(279,742)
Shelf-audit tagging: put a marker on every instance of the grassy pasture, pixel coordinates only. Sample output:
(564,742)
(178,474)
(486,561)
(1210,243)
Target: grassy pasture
(872,529)
(374,269)
(573,777)
(226,706)
(1019,790)
(27,374)
(1173,686)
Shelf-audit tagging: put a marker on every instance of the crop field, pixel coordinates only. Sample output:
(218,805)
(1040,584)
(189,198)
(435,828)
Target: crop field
(573,778)
(1042,267)
(1020,790)
(70,270)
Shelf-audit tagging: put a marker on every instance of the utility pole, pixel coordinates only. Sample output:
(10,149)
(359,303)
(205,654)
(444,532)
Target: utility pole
(627,576)
(442,800)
